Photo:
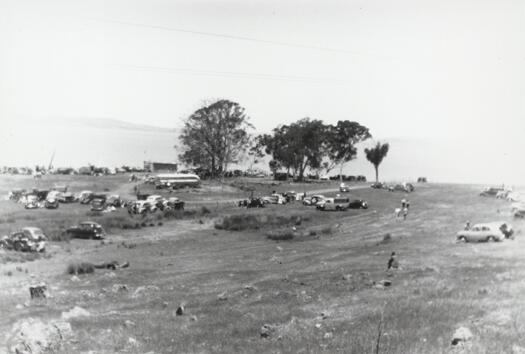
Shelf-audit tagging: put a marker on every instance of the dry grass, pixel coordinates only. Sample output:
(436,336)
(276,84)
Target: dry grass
(320,296)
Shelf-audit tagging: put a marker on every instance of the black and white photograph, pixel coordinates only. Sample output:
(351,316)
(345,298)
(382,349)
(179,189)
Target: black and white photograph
(262,176)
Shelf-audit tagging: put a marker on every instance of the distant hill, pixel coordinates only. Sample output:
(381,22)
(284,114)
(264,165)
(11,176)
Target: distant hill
(105,123)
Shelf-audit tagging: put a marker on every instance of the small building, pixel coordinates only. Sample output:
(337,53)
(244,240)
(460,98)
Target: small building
(152,166)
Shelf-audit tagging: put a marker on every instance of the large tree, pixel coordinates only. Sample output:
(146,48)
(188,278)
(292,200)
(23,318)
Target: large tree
(342,141)
(214,136)
(376,155)
(297,146)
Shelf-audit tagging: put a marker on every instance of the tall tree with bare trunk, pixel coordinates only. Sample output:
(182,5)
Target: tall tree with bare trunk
(376,155)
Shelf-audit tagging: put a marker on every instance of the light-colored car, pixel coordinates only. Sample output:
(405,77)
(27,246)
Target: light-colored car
(337,204)
(343,188)
(518,210)
(155,199)
(274,199)
(313,200)
(31,202)
(494,231)
(28,239)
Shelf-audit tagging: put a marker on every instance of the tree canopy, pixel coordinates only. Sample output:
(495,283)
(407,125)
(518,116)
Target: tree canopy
(215,136)
(376,155)
(307,143)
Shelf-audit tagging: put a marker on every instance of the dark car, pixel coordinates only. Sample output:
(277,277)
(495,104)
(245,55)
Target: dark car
(67,197)
(85,197)
(87,230)
(98,204)
(358,204)
(173,203)
(51,203)
(252,203)
(114,200)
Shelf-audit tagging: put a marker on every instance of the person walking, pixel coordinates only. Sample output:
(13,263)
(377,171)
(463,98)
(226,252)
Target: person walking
(392,262)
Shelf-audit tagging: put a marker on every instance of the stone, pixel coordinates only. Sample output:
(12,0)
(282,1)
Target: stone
(75,278)
(266,330)
(516,349)
(462,334)
(38,337)
(38,291)
(328,335)
(180,310)
(116,288)
(75,312)
(145,290)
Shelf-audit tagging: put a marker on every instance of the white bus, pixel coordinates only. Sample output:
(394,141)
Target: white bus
(176,180)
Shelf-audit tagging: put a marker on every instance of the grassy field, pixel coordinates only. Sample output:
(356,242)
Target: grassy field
(316,292)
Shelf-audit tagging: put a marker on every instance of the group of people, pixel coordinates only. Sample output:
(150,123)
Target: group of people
(405,205)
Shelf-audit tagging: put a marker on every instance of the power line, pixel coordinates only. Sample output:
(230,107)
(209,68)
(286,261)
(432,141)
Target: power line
(241,75)
(245,38)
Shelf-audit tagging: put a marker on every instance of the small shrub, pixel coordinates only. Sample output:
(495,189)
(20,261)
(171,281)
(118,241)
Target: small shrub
(280,235)
(143,224)
(160,223)
(205,210)
(9,273)
(80,268)
(386,239)
(151,224)
(59,235)
(312,233)
(327,230)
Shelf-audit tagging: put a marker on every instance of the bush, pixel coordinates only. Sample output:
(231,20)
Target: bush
(80,268)
(205,210)
(280,235)
(241,222)
(327,230)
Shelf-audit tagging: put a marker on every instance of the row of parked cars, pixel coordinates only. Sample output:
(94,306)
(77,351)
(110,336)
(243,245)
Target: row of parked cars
(154,203)
(33,239)
(518,201)
(399,187)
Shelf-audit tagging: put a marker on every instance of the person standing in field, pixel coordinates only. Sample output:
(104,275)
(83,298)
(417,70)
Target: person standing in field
(405,213)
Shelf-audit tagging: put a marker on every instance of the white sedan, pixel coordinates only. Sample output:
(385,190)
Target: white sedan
(494,231)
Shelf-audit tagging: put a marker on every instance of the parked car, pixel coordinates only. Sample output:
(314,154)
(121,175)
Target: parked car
(31,202)
(290,196)
(421,180)
(343,188)
(491,191)
(54,195)
(114,200)
(98,204)
(378,185)
(173,203)
(85,197)
(518,210)
(156,200)
(337,204)
(67,197)
(86,230)
(495,231)
(405,187)
(313,200)
(28,239)
(51,203)
(358,204)
(274,199)
(141,207)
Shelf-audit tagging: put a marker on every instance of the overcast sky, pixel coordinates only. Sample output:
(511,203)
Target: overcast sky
(449,72)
